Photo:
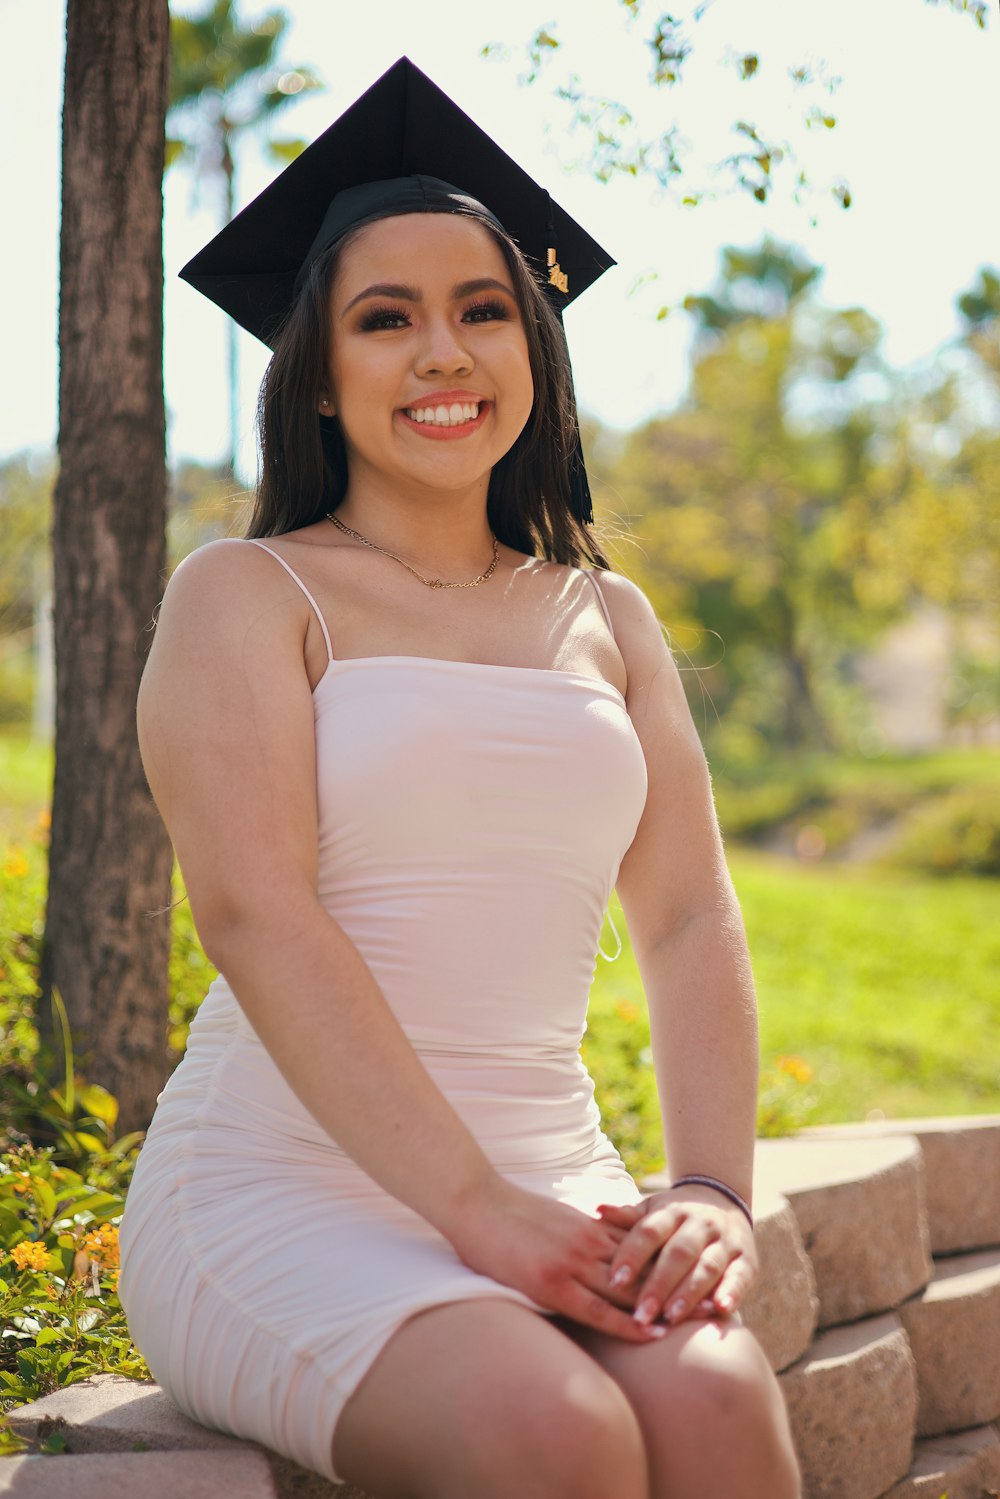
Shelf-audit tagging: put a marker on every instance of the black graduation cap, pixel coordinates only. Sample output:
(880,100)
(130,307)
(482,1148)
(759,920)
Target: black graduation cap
(403,127)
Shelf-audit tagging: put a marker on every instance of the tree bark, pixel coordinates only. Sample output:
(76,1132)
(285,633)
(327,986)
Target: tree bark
(110,859)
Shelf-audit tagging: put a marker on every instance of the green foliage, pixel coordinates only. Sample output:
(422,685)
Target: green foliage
(61,1317)
(954,834)
(63,1177)
(26,483)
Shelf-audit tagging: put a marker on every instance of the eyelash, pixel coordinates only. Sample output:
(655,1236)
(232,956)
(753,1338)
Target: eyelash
(381,318)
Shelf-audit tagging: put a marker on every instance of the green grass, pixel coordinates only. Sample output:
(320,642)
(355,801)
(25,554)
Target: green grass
(25,783)
(885,985)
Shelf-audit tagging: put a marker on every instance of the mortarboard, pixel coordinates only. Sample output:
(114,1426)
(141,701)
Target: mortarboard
(402,147)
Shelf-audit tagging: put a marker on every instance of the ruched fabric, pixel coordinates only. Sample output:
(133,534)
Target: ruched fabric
(472,820)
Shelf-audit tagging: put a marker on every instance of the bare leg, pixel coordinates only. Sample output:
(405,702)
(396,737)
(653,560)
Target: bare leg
(489,1398)
(711,1411)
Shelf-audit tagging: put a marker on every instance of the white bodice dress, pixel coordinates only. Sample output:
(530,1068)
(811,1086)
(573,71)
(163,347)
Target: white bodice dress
(472,820)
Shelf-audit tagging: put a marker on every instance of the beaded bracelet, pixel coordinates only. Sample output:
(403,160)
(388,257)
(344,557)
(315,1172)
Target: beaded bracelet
(713,1181)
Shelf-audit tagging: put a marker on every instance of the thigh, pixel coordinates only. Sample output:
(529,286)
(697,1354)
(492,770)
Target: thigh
(489,1398)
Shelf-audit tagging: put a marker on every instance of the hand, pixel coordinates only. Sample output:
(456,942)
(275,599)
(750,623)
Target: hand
(686,1252)
(557,1255)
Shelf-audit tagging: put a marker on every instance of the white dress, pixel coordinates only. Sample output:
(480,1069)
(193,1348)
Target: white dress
(472,820)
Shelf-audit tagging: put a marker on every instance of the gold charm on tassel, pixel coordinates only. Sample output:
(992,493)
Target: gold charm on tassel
(557,276)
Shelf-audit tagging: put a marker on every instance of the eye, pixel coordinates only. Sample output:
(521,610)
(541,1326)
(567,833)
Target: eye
(489,310)
(383,317)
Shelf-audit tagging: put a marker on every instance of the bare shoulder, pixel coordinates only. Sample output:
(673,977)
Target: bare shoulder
(638,633)
(224,585)
(228,611)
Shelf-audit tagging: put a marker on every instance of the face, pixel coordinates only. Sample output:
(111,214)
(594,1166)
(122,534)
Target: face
(429,370)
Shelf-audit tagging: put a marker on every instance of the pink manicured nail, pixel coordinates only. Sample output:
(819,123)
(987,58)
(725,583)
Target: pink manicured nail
(622,1275)
(645,1311)
(675,1311)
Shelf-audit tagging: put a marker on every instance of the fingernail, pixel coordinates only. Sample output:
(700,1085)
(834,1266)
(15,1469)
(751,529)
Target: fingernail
(675,1311)
(724,1303)
(645,1311)
(622,1275)
(659,1331)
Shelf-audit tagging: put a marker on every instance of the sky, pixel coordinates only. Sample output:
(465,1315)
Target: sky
(918,117)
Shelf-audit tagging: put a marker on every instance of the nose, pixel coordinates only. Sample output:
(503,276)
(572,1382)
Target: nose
(442,349)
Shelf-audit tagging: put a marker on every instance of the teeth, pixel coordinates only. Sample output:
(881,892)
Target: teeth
(445,416)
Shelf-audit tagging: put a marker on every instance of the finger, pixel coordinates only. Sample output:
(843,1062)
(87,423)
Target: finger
(701,1283)
(623,1214)
(674,1265)
(644,1240)
(658,1232)
(735,1283)
(584,1305)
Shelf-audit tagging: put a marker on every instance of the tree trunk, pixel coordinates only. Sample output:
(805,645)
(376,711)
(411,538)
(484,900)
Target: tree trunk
(110,861)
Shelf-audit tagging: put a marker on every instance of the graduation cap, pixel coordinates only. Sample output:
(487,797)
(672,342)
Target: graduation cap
(402,147)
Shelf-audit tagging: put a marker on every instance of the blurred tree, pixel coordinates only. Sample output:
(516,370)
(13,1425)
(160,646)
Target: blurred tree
(756,502)
(226,83)
(618,144)
(110,859)
(205,503)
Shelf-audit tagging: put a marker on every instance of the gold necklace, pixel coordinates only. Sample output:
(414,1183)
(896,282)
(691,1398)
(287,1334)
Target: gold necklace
(428,582)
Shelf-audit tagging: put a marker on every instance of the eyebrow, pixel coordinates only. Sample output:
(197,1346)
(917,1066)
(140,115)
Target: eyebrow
(405,293)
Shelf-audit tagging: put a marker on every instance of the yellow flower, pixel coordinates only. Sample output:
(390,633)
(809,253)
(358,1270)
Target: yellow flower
(796,1067)
(626,1010)
(24,1185)
(15,865)
(102,1245)
(30,1255)
(45,818)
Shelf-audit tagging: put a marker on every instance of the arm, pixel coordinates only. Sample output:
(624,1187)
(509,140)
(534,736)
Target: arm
(227,738)
(690,945)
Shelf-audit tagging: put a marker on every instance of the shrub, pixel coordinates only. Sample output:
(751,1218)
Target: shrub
(954,834)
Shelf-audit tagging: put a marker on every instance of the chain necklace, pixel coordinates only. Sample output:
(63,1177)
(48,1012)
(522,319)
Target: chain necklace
(428,582)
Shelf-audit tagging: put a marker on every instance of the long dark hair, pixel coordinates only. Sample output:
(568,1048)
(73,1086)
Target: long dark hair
(303,455)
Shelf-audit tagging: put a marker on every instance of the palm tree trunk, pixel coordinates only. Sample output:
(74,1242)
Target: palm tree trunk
(110,858)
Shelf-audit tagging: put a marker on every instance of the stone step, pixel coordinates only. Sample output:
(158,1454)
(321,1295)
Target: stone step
(962,1173)
(954,1332)
(852,1404)
(782,1307)
(964,1465)
(861,1211)
(108,1414)
(154,1475)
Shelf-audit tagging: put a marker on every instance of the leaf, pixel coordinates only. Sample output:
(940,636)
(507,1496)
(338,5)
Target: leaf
(100,1103)
(49,1335)
(44,1196)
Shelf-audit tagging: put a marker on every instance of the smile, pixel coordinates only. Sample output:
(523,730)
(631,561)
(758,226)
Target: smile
(451,419)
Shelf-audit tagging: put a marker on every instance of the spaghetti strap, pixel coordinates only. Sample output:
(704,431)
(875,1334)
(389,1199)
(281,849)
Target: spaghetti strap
(588,573)
(294,575)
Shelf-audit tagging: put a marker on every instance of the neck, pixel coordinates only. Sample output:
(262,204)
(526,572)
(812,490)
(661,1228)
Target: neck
(446,532)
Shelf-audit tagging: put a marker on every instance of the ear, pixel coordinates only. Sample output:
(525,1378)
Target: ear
(325,406)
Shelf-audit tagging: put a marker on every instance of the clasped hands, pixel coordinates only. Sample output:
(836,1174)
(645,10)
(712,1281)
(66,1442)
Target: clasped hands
(632,1271)
(685,1252)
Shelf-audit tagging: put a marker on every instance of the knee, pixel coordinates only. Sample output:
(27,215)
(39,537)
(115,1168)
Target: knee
(585,1440)
(725,1378)
(727,1385)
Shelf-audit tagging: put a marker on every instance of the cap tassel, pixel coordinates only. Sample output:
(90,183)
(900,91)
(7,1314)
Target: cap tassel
(557,276)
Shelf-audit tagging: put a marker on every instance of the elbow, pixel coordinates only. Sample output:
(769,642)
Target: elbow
(232,923)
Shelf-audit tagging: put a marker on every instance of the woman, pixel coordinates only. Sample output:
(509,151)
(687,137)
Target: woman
(404,749)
